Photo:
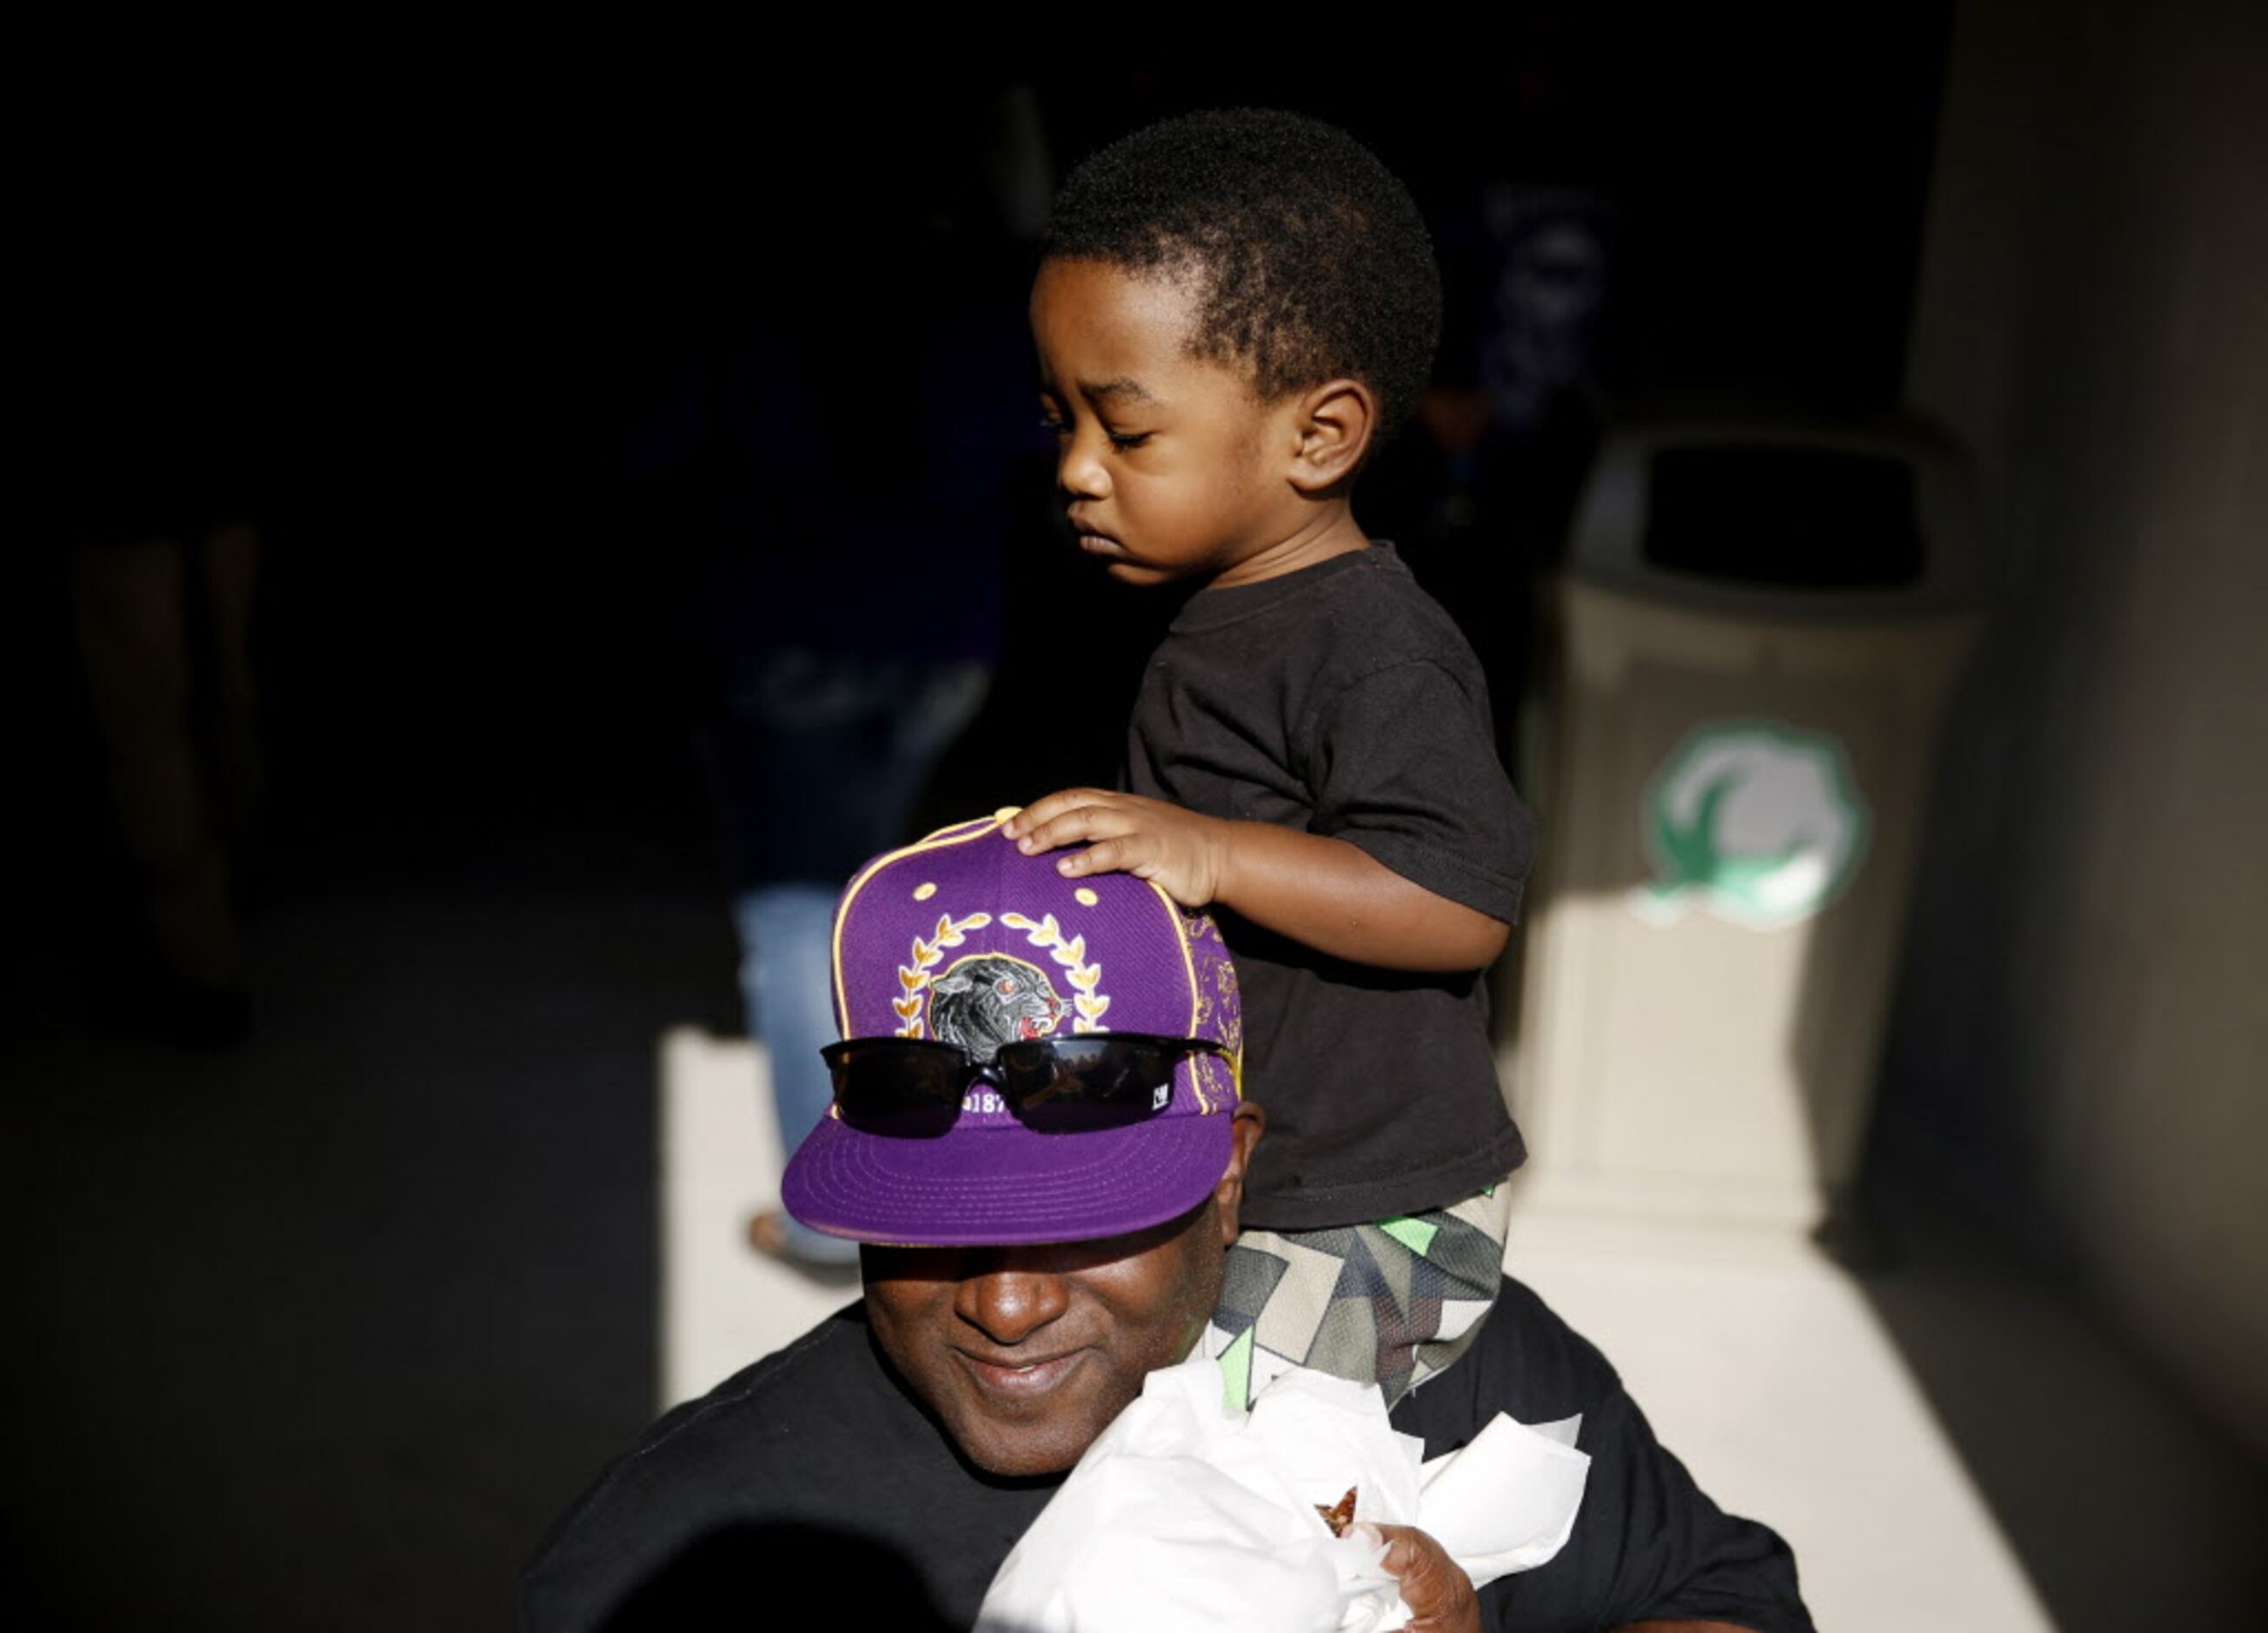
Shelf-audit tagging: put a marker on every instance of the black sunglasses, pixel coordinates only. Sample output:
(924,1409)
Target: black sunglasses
(912,1087)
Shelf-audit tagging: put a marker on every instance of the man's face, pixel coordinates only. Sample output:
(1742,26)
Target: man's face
(1170,468)
(1026,1354)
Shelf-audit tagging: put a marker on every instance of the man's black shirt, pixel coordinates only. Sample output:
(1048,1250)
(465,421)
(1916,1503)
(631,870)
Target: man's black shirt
(814,1477)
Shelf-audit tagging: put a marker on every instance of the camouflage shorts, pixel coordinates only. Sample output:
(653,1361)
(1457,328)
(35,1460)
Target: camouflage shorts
(1390,1302)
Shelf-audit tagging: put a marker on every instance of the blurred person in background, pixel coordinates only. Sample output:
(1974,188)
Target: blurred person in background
(143,472)
(839,444)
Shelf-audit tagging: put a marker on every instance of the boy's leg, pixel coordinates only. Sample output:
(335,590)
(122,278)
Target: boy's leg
(1392,1302)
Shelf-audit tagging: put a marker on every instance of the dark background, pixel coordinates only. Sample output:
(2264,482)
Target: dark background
(324,1330)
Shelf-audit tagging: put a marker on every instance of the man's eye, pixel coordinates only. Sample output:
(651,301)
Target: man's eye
(1128,438)
(1054,426)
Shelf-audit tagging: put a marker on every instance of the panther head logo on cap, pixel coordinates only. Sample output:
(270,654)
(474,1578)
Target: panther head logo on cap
(990,999)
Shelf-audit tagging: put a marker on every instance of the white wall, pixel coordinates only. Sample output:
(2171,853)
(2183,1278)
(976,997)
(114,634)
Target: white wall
(2082,1039)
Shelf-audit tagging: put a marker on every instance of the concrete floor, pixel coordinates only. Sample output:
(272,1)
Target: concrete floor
(323,1332)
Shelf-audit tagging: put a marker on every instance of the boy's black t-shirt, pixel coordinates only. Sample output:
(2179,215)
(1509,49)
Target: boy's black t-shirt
(1341,700)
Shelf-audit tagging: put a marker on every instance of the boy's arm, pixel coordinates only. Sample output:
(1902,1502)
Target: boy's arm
(1322,892)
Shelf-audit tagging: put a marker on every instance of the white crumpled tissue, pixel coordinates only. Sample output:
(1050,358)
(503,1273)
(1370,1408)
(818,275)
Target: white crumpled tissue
(1186,1514)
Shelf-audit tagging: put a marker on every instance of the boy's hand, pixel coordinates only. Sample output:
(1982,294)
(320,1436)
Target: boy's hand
(1178,851)
(1317,890)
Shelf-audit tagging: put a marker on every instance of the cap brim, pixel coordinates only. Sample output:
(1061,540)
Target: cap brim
(1003,1184)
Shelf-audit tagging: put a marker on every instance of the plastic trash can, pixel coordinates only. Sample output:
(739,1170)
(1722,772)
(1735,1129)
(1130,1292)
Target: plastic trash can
(1755,637)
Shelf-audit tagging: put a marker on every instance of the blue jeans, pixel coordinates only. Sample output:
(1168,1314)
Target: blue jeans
(822,759)
(787,983)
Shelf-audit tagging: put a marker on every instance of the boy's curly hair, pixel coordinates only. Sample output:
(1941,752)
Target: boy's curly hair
(1310,260)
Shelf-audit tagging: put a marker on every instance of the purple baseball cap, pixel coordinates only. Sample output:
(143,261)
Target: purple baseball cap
(963,939)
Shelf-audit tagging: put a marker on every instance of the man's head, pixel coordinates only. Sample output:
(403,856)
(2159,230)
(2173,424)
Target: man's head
(1036,1130)
(1027,1354)
(1232,307)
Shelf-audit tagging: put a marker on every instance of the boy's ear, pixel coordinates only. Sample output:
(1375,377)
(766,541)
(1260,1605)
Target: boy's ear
(1336,421)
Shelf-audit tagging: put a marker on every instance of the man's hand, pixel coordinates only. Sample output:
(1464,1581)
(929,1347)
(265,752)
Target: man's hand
(1439,1593)
(1177,850)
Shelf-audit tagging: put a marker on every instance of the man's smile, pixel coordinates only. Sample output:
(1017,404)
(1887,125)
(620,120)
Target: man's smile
(1019,1378)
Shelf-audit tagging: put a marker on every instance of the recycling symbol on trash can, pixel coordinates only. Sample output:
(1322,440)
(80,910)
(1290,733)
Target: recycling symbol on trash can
(1758,823)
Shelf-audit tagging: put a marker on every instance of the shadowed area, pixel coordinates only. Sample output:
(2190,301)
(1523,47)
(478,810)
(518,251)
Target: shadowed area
(344,1318)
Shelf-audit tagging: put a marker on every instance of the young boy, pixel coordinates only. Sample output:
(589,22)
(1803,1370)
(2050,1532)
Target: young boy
(1233,309)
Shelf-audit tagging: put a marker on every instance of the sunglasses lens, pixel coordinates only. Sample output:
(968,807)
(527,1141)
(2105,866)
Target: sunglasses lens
(908,1089)
(912,1088)
(1073,1085)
